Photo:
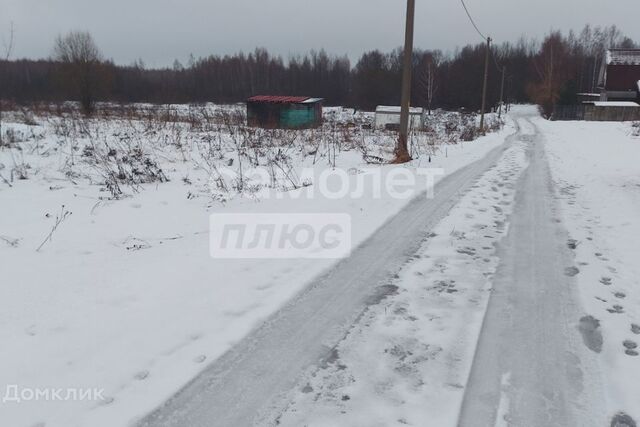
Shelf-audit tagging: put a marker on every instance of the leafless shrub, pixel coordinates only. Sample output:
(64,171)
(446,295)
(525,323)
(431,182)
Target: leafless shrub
(64,214)
(11,242)
(469,132)
(121,163)
(27,117)
(20,169)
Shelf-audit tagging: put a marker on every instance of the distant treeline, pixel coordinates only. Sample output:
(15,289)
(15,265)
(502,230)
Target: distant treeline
(547,72)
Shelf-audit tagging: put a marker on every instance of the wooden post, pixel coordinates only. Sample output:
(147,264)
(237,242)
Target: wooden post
(484,87)
(504,70)
(402,150)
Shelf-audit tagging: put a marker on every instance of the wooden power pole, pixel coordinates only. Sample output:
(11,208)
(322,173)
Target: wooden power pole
(402,150)
(484,87)
(504,70)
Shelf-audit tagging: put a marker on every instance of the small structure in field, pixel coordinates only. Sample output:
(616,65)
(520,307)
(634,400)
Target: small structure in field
(388,117)
(620,75)
(612,111)
(284,112)
(599,111)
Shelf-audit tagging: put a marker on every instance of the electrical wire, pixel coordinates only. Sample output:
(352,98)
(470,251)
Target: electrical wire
(472,21)
(493,56)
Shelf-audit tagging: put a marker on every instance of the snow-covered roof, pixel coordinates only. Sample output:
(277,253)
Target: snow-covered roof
(623,57)
(616,104)
(388,109)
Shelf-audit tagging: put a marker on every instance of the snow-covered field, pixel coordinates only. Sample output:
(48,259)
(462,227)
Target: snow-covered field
(107,283)
(597,178)
(106,280)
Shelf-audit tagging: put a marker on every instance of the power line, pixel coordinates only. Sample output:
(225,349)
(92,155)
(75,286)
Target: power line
(472,21)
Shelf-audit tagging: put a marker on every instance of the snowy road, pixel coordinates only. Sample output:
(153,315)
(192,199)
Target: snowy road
(478,324)
(531,367)
(249,383)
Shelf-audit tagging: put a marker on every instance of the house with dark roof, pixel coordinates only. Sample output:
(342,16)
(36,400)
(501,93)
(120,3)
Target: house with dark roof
(620,76)
(284,112)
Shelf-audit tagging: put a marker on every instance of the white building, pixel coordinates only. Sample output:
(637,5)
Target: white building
(389,116)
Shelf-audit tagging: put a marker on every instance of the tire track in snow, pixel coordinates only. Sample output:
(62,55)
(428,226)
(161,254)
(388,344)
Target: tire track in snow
(406,360)
(530,330)
(250,381)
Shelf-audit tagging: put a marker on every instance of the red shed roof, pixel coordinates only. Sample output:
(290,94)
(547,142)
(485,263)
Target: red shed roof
(279,99)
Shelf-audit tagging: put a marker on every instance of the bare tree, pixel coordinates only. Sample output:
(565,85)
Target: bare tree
(427,77)
(553,70)
(8,48)
(81,61)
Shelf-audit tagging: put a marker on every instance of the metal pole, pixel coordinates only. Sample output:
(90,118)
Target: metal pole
(402,151)
(484,87)
(504,70)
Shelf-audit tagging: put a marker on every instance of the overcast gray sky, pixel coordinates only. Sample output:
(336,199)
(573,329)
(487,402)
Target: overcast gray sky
(159,31)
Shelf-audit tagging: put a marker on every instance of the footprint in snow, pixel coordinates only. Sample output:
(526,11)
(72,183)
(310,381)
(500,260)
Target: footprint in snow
(620,295)
(589,328)
(616,309)
(571,271)
(606,281)
(467,251)
(635,328)
(622,420)
(107,401)
(630,347)
(142,375)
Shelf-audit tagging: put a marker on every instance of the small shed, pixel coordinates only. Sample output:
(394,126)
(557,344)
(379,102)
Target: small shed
(284,112)
(619,75)
(388,117)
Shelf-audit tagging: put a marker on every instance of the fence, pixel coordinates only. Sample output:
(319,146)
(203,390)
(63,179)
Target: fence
(595,113)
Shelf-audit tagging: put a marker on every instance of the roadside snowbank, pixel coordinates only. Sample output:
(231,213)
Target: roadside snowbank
(595,170)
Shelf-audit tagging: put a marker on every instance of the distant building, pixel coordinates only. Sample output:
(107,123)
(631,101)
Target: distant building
(284,112)
(620,76)
(388,117)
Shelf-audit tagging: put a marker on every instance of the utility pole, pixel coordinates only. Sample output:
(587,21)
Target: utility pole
(484,87)
(402,150)
(504,70)
(8,48)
